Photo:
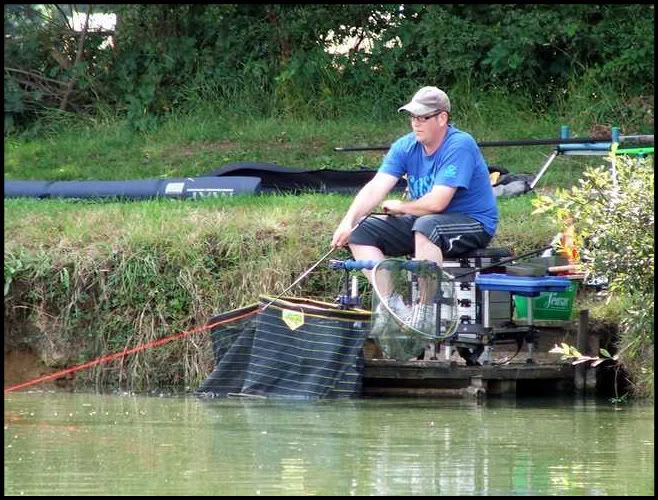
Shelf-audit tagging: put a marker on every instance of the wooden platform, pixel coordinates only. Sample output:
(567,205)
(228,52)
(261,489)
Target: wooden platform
(507,374)
(443,378)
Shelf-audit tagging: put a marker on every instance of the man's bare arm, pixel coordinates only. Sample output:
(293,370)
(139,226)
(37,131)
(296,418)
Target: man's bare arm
(364,202)
(434,202)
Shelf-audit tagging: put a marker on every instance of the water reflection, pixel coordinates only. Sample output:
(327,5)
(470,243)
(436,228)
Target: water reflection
(124,445)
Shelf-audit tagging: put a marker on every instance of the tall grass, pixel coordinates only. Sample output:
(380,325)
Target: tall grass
(88,279)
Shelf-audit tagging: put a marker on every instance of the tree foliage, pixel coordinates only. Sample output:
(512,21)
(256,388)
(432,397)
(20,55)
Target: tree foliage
(163,57)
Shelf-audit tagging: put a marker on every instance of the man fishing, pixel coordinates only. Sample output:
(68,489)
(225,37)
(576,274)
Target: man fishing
(452,207)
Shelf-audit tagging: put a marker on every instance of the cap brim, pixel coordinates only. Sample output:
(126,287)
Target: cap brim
(417,109)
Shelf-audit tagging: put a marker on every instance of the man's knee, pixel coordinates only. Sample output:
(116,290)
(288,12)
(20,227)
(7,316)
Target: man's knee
(421,238)
(365,252)
(426,249)
(422,241)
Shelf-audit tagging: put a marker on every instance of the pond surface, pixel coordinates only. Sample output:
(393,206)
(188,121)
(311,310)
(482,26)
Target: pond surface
(92,444)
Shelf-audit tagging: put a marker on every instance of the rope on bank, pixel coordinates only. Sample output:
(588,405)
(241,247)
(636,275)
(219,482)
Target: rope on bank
(121,354)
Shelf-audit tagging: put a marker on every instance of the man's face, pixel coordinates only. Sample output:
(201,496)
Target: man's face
(428,127)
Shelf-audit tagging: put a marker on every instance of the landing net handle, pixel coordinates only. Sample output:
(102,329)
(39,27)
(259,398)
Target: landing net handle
(358,265)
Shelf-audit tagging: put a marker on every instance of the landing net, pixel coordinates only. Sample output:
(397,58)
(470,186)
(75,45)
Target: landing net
(413,304)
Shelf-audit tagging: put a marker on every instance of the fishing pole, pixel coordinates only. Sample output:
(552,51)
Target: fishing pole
(310,269)
(640,139)
(301,277)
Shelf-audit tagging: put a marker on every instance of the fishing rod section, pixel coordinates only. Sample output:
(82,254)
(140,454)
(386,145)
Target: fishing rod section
(598,143)
(310,269)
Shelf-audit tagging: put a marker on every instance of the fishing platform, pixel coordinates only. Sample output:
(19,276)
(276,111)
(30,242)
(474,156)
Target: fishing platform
(502,376)
(389,378)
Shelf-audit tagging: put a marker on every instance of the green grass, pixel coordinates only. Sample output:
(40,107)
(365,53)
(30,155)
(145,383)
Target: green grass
(190,144)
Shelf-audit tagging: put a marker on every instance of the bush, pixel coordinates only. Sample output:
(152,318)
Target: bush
(612,211)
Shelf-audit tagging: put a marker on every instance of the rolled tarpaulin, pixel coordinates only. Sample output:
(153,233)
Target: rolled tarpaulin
(181,187)
(134,189)
(27,189)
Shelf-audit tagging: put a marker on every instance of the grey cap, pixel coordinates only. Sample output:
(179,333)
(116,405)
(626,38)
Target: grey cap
(426,101)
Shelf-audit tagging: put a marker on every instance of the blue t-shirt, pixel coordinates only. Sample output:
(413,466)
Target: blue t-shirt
(457,163)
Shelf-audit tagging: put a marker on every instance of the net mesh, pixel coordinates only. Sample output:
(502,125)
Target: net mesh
(413,305)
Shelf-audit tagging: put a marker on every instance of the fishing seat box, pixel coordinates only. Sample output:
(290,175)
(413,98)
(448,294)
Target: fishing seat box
(468,295)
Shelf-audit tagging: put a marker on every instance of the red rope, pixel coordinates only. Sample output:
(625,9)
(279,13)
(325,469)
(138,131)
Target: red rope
(125,352)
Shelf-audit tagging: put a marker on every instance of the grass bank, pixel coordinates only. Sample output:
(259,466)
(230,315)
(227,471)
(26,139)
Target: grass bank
(85,279)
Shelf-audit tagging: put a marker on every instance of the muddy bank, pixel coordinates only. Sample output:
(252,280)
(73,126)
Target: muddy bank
(23,365)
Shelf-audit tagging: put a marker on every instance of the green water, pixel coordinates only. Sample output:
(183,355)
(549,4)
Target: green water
(89,444)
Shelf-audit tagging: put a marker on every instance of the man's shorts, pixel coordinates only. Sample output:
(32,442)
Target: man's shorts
(454,234)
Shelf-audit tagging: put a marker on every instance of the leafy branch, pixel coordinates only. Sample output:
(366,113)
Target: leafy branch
(570,352)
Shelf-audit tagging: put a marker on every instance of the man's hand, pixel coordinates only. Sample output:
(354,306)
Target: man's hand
(341,235)
(393,207)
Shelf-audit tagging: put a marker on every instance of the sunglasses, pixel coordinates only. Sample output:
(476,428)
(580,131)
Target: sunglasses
(423,119)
